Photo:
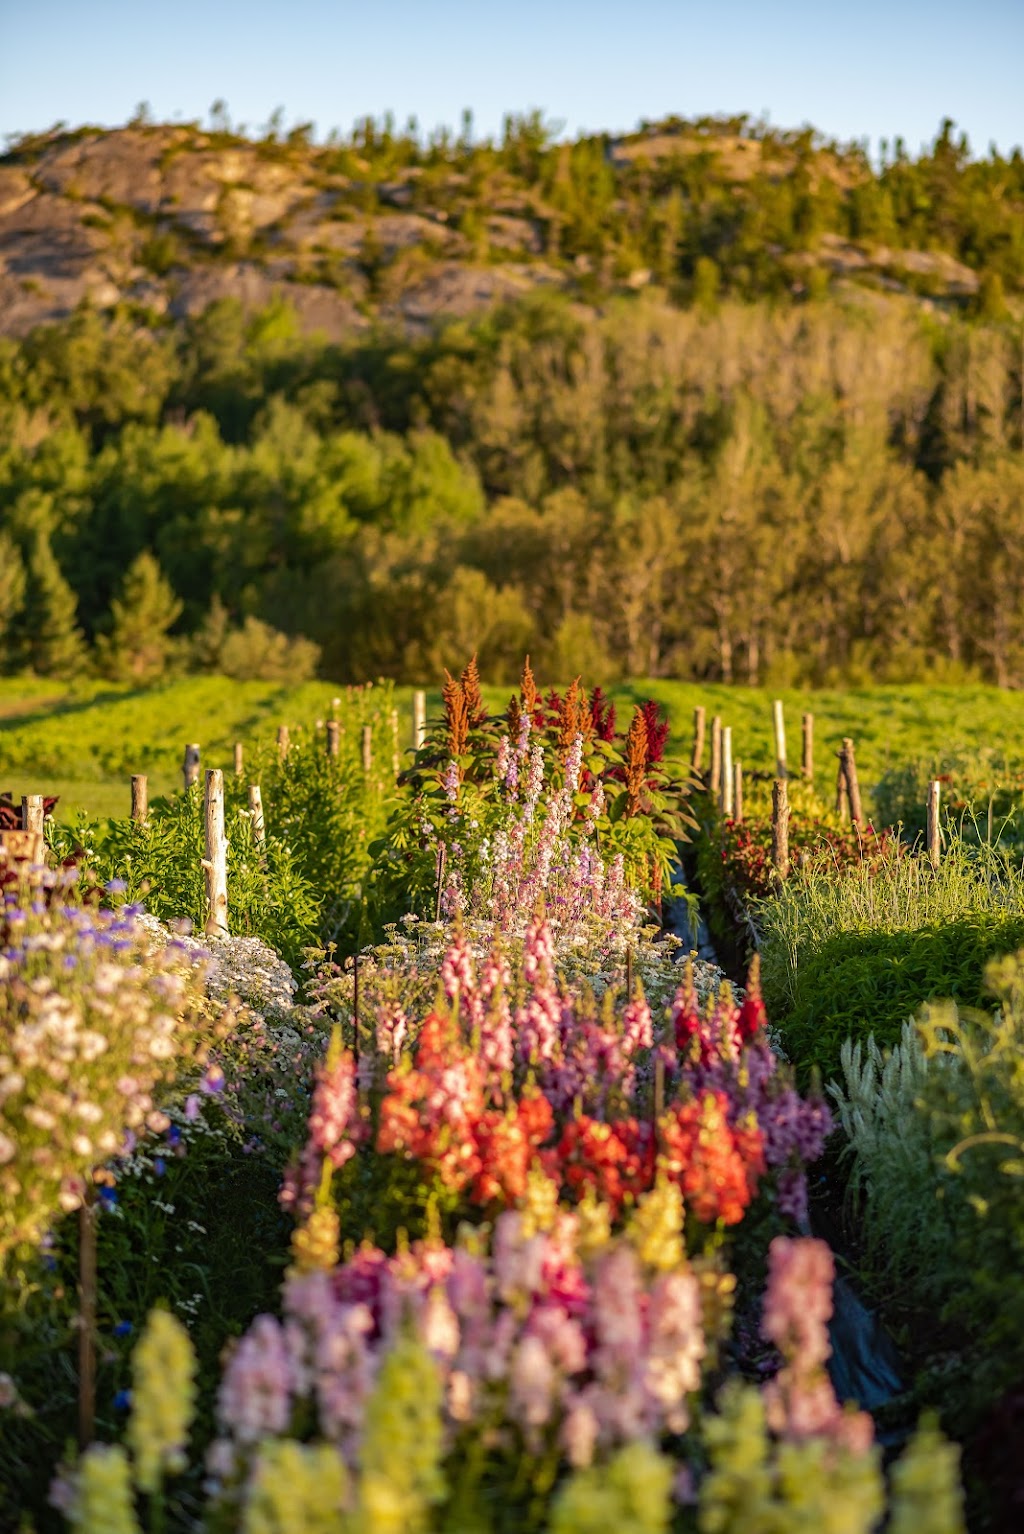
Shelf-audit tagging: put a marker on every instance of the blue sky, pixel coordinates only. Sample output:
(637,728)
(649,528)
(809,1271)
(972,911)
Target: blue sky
(856,69)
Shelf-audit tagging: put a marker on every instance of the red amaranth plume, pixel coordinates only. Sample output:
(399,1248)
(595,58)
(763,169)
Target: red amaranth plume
(657,730)
(753,1018)
(602,714)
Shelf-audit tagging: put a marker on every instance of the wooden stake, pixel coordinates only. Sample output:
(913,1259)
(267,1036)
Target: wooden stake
(32,813)
(355,1006)
(190,770)
(282,741)
(934,843)
(442,857)
(849,769)
(842,797)
(629,973)
(780,740)
(239,756)
(780,828)
(333,737)
(395,762)
(140,798)
(697,759)
(259,830)
(715,784)
(808,753)
(737,793)
(367,748)
(215,863)
(86,1319)
(727,778)
(659,1088)
(419,718)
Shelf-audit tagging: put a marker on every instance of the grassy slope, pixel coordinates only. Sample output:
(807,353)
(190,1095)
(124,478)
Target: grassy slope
(86,741)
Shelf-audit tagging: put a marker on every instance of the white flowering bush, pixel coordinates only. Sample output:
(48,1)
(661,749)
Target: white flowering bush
(94,1017)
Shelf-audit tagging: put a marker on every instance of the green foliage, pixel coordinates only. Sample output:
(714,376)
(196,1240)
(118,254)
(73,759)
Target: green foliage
(51,641)
(138,645)
(845,957)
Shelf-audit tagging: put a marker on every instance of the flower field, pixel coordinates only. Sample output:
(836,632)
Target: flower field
(445,1189)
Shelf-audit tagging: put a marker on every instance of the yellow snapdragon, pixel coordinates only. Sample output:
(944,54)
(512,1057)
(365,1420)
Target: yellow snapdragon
(633,1491)
(316,1244)
(926,1495)
(296,1489)
(539,1205)
(655,1228)
(103,1494)
(402,1443)
(163,1399)
(595,1224)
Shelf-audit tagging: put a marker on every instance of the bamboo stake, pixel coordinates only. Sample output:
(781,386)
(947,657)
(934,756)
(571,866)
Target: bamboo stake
(140,798)
(727,779)
(715,784)
(780,828)
(737,793)
(697,759)
(190,770)
(367,748)
(849,768)
(282,741)
(333,737)
(419,718)
(780,740)
(215,864)
(934,843)
(259,830)
(32,813)
(86,1319)
(239,755)
(807,765)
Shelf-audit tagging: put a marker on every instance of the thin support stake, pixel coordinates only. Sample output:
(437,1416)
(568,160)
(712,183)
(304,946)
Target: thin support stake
(780,828)
(419,718)
(190,767)
(215,863)
(807,765)
(780,739)
(259,829)
(697,759)
(32,813)
(727,779)
(934,834)
(737,793)
(715,783)
(140,798)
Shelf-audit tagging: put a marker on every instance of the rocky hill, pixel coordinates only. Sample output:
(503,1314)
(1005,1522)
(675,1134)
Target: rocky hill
(169,219)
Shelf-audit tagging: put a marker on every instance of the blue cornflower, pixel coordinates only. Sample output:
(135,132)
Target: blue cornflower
(159,1166)
(123,1329)
(108,1197)
(122,1400)
(116,886)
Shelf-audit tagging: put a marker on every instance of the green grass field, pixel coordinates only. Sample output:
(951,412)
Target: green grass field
(84,742)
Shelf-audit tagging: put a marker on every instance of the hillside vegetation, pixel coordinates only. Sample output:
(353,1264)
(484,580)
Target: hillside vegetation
(710,401)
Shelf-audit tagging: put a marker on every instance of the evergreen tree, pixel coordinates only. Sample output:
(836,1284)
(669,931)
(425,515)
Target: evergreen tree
(51,641)
(12,593)
(138,645)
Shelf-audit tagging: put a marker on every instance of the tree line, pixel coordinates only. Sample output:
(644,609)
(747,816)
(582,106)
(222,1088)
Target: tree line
(767,491)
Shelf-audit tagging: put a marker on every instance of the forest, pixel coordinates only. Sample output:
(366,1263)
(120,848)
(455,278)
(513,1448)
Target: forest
(722,473)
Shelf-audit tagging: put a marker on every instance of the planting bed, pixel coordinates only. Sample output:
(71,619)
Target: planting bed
(445,1191)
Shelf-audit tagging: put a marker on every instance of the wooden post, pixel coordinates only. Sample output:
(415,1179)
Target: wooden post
(934,843)
(808,755)
(215,863)
(140,798)
(842,797)
(727,780)
(86,1319)
(367,748)
(419,718)
(32,813)
(395,762)
(849,770)
(780,740)
(442,856)
(697,759)
(715,784)
(190,770)
(259,830)
(333,737)
(282,741)
(780,828)
(737,794)
(239,759)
